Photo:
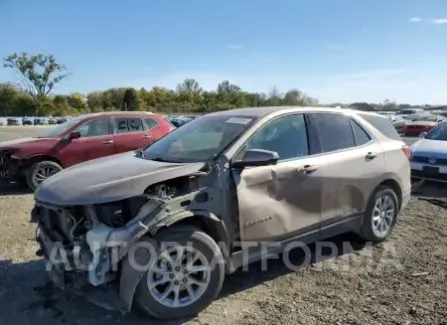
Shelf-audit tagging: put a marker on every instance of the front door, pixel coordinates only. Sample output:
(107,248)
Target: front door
(281,200)
(96,141)
(130,134)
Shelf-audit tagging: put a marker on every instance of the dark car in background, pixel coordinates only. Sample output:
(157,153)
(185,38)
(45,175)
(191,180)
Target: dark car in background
(27,120)
(14,121)
(87,137)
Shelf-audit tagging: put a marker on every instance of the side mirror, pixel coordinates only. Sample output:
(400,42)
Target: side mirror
(74,135)
(256,157)
(422,135)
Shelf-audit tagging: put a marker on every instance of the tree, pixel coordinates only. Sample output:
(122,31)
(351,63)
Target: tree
(39,74)
(130,99)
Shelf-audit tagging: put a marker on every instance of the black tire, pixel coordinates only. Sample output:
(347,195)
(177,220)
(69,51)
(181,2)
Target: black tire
(31,180)
(367,231)
(201,241)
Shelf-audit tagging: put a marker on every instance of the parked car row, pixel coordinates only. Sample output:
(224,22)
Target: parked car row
(414,121)
(32,120)
(197,196)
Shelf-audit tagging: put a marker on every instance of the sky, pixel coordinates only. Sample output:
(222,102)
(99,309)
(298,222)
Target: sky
(334,50)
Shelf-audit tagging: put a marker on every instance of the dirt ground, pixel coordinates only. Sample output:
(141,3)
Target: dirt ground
(401,281)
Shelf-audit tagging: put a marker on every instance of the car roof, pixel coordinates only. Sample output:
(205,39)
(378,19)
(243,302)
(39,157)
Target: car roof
(118,114)
(259,112)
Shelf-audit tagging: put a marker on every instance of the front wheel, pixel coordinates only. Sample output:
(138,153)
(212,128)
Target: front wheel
(184,277)
(38,172)
(380,215)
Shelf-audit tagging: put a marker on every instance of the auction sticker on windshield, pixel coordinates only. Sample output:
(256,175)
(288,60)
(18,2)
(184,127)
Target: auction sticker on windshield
(239,120)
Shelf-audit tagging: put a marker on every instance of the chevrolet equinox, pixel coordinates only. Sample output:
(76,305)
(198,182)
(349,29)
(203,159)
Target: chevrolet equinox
(221,183)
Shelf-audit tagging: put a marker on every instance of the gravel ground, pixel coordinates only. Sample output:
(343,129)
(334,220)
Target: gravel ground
(401,281)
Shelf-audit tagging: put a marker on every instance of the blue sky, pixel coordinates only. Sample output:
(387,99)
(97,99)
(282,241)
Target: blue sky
(335,50)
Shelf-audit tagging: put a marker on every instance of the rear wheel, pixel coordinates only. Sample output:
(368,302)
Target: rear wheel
(38,172)
(183,277)
(381,214)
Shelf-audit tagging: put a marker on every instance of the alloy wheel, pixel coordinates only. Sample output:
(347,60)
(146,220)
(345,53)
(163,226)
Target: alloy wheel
(179,276)
(383,215)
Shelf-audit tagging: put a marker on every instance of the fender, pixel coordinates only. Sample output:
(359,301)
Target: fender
(131,277)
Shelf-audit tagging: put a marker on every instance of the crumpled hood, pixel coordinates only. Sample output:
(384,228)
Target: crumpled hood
(17,142)
(109,179)
(430,148)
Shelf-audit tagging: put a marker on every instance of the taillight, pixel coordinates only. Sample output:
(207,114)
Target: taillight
(407,151)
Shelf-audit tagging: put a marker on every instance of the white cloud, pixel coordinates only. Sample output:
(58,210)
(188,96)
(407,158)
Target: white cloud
(414,19)
(439,21)
(235,47)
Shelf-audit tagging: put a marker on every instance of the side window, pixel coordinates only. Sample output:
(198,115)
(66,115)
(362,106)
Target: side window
(95,128)
(135,124)
(286,135)
(382,124)
(121,125)
(150,123)
(361,137)
(335,131)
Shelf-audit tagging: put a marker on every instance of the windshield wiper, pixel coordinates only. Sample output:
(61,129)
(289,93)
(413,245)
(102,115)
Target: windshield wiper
(162,160)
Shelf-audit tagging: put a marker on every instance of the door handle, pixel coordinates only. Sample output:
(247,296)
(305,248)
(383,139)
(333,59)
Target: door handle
(107,142)
(371,155)
(146,136)
(307,169)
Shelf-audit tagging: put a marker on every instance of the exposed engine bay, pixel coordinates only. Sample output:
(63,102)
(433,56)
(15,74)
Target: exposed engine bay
(88,243)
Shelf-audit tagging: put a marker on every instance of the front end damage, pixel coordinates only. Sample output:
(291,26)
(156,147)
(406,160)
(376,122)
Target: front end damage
(9,167)
(87,246)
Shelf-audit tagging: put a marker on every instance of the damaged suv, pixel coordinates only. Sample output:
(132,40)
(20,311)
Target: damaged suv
(161,227)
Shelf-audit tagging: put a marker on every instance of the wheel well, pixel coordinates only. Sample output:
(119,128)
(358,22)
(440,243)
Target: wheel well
(202,224)
(32,160)
(395,187)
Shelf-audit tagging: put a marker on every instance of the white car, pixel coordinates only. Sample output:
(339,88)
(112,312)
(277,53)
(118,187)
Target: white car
(429,155)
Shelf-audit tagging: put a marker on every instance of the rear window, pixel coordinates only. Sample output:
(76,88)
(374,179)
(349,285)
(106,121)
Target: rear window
(383,125)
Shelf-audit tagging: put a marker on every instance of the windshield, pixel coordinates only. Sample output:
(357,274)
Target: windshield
(56,131)
(439,132)
(199,140)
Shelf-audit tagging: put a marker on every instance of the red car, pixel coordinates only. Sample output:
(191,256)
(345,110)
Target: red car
(91,136)
(415,128)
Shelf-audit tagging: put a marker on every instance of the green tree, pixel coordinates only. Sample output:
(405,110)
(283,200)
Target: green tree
(130,99)
(39,74)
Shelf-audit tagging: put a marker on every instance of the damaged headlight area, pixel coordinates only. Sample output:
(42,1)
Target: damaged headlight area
(86,244)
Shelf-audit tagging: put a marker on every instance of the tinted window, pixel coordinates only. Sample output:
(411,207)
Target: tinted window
(361,137)
(150,123)
(135,124)
(95,128)
(382,124)
(285,135)
(335,131)
(123,125)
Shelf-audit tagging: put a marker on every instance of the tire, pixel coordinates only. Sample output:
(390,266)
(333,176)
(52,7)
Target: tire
(200,241)
(32,179)
(368,231)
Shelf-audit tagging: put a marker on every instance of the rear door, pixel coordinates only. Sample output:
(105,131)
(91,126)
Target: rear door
(96,141)
(279,201)
(130,134)
(152,129)
(352,166)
